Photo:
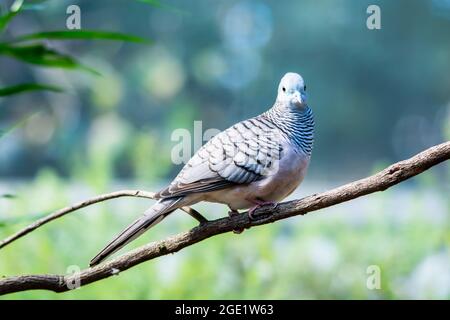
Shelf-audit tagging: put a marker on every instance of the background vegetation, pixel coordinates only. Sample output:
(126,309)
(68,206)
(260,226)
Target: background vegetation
(378,97)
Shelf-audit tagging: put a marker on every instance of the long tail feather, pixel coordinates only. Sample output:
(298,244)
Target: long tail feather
(151,217)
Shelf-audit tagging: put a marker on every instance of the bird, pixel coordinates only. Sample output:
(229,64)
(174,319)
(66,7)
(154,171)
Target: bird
(256,162)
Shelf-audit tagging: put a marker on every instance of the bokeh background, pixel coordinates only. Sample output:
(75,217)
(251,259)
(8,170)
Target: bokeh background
(379,96)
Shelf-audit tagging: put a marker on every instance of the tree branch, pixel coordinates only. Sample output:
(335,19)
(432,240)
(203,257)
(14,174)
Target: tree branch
(380,181)
(104,197)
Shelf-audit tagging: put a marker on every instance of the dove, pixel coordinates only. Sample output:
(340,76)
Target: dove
(256,162)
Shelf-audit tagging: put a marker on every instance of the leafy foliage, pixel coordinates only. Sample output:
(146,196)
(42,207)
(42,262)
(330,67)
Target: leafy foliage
(39,53)
(7,196)
(24,87)
(82,35)
(5,19)
(369,89)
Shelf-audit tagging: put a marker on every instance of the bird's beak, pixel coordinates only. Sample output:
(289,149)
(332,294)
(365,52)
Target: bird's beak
(298,99)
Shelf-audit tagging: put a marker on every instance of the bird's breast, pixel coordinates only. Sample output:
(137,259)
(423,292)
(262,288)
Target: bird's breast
(286,177)
(281,181)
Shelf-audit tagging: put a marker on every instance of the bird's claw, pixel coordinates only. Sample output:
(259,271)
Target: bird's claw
(259,205)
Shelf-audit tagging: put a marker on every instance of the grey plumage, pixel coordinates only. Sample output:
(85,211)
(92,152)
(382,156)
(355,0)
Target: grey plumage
(259,160)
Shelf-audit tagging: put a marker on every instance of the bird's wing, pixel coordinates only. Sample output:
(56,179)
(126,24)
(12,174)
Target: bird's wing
(243,153)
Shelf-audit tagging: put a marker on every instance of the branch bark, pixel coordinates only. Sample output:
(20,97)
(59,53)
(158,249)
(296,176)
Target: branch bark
(380,181)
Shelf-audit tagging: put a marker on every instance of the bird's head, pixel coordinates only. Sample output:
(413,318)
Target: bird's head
(292,90)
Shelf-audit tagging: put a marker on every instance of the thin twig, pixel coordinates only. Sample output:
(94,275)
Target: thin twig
(380,181)
(104,197)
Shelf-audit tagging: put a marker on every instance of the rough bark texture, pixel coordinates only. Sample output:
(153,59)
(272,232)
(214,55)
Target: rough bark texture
(380,181)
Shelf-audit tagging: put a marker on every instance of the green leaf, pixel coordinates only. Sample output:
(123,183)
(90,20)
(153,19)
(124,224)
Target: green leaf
(5,19)
(82,35)
(24,87)
(39,54)
(16,6)
(8,196)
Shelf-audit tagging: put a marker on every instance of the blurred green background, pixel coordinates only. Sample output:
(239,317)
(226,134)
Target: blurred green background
(379,96)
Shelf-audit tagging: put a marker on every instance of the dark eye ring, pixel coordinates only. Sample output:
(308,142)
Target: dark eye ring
(284,89)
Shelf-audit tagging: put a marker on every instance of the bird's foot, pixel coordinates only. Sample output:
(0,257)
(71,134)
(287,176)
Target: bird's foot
(259,204)
(233,213)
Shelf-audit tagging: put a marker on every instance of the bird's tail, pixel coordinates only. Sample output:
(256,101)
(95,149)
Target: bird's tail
(151,217)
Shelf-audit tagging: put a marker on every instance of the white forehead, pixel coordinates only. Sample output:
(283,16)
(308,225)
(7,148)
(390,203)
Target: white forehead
(292,80)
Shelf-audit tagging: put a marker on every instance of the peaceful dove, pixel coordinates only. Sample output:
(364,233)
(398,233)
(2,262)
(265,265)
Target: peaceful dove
(255,162)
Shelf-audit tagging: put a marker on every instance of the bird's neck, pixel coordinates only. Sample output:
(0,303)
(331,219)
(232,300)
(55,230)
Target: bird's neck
(297,124)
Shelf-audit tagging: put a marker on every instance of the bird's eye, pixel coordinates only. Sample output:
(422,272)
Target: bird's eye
(284,89)
(304,88)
